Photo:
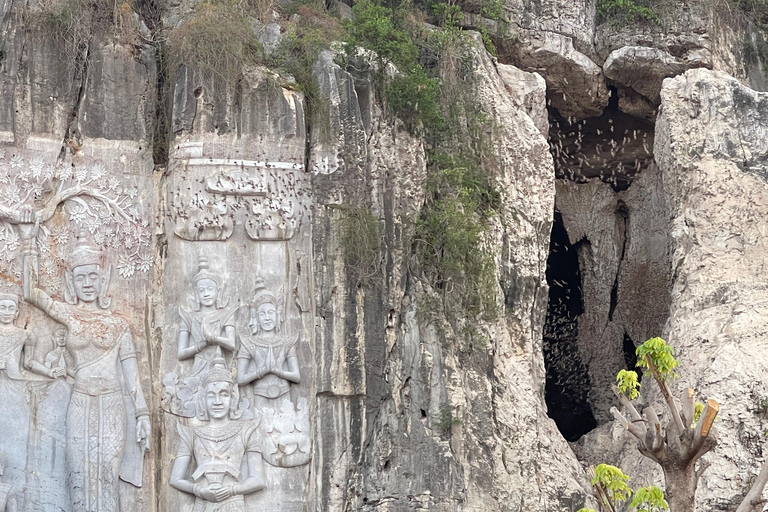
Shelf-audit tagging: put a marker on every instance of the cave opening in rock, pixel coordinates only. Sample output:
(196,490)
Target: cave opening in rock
(630,356)
(567,381)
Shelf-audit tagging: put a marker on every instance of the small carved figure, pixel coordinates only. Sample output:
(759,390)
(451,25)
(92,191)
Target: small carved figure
(60,357)
(216,451)
(7,493)
(98,449)
(268,359)
(203,333)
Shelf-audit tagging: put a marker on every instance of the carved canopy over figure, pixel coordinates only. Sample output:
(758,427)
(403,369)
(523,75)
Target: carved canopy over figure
(218,451)
(267,358)
(105,373)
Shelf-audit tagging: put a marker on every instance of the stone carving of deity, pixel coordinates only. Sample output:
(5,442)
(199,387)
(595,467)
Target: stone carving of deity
(107,401)
(59,357)
(17,348)
(268,358)
(218,462)
(7,493)
(208,332)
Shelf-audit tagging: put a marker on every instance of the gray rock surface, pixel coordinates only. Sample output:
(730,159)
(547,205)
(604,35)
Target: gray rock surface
(711,148)
(227,263)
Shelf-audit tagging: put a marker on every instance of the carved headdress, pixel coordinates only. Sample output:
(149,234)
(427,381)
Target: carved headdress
(204,272)
(84,253)
(263,296)
(10,296)
(218,372)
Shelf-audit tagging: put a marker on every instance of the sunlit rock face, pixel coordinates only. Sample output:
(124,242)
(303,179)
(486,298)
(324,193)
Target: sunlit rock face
(181,327)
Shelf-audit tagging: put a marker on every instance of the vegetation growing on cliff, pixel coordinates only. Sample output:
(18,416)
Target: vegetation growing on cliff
(677,447)
(425,78)
(202,41)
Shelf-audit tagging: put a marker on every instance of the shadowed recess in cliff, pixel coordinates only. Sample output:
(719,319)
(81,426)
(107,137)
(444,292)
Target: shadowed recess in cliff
(567,385)
(613,147)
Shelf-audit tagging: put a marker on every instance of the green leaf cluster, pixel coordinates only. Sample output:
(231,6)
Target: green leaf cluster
(373,26)
(698,409)
(628,384)
(626,12)
(614,481)
(661,355)
(649,499)
(412,95)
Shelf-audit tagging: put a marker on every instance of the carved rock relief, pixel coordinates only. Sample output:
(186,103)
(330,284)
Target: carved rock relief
(261,196)
(75,421)
(241,340)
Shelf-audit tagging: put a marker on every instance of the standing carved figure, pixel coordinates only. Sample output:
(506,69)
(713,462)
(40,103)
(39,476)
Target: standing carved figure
(7,493)
(15,343)
(268,359)
(203,333)
(218,451)
(99,451)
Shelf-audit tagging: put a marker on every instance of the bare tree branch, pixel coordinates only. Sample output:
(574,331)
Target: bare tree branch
(752,499)
(703,466)
(634,428)
(703,427)
(677,420)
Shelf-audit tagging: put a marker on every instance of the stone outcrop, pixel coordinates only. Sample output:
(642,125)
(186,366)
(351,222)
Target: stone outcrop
(711,148)
(187,328)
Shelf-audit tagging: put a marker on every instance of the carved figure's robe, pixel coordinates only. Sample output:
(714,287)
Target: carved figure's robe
(219,456)
(99,414)
(14,405)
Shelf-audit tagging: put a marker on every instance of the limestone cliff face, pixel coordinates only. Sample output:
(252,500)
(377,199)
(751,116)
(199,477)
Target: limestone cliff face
(227,256)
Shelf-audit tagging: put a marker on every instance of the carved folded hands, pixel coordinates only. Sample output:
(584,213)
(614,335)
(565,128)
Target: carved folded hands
(56,372)
(214,492)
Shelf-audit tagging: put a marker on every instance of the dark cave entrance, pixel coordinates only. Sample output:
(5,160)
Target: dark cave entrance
(567,382)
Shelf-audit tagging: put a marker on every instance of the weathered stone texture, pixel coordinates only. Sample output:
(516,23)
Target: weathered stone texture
(712,148)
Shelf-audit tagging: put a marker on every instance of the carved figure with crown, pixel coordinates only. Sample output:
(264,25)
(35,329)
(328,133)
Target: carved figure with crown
(206,332)
(267,365)
(107,423)
(219,461)
(17,356)
(268,359)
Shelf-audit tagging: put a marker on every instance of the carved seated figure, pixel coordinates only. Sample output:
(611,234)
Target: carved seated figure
(7,493)
(209,459)
(267,359)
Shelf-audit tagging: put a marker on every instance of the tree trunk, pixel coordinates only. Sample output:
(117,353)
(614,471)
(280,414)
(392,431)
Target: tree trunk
(679,491)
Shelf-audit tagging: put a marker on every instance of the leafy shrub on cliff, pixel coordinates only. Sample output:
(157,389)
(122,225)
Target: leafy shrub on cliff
(218,37)
(361,234)
(298,50)
(411,95)
(74,23)
(626,12)
(449,240)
